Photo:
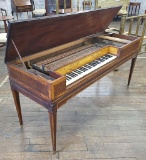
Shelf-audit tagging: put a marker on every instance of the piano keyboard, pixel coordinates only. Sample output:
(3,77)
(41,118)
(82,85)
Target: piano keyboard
(88,68)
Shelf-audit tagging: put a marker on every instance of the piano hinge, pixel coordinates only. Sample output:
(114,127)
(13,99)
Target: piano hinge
(18,54)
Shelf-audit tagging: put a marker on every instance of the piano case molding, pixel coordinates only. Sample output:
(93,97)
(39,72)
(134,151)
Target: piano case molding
(42,52)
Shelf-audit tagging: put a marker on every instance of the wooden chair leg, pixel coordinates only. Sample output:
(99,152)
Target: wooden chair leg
(53,123)
(131,69)
(17,104)
(17,15)
(32,14)
(27,14)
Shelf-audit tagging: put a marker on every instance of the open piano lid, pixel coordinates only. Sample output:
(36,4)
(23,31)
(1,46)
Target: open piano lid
(35,35)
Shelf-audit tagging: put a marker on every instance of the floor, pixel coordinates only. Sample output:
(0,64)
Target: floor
(107,121)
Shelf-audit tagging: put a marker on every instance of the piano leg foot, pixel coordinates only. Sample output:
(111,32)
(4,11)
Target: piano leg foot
(53,123)
(17,104)
(131,70)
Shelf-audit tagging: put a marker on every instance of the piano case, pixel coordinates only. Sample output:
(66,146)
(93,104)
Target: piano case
(54,37)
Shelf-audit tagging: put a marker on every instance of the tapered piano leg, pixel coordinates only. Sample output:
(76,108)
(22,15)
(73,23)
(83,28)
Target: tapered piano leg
(53,123)
(131,69)
(17,104)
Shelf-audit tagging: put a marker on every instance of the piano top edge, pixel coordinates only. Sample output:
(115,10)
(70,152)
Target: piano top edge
(60,15)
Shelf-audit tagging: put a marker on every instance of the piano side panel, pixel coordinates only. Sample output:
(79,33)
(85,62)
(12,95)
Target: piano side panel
(132,48)
(38,86)
(28,93)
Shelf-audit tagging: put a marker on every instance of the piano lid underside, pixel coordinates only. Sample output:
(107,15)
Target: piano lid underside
(49,32)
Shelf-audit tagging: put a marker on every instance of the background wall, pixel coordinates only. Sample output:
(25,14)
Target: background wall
(6,4)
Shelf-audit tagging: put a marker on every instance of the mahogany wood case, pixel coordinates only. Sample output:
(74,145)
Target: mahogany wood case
(42,53)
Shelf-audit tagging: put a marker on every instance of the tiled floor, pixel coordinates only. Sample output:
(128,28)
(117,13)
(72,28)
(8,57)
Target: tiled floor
(107,121)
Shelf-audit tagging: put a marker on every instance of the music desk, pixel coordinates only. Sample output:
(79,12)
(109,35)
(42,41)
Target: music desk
(134,8)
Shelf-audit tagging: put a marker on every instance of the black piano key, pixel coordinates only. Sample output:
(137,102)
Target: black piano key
(68,77)
(88,66)
(91,64)
(75,73)
(109,56)
(94,63)
(78,71)
(43,67)
(83,69)
(104,57)
(97,61)
(71,74)
(101,59)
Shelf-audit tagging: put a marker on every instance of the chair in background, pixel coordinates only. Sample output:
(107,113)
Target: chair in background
(3,12)
(4,18)
(37,12)
(87,5)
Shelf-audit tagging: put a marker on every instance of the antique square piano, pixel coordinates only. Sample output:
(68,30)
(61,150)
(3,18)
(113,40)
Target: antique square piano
(51,59)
